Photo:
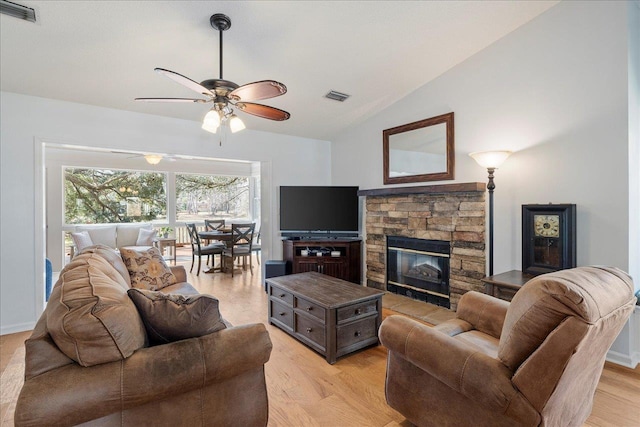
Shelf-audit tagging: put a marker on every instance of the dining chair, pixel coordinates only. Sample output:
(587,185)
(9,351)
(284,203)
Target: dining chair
(256,246)
(213,224)
(199,250)
(240,246)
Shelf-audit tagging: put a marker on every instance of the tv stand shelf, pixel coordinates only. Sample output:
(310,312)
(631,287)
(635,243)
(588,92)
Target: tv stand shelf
(334,257)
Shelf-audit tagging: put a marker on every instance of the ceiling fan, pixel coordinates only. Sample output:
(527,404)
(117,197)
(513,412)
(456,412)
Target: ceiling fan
(225,94)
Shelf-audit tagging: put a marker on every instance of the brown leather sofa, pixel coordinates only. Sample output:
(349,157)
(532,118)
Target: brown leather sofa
(213,380)
(534,362)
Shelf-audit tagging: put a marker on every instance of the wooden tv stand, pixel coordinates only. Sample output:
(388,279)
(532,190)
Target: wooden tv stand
(346,265)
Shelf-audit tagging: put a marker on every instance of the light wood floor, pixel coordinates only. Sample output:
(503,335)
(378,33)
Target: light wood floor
(304,390)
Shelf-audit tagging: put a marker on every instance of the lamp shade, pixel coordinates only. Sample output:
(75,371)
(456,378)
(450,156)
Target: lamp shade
(490,159)
(153,159)
(211,121)
(235,124)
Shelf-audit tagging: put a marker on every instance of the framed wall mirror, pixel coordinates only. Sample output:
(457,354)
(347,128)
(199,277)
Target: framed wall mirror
(419,151)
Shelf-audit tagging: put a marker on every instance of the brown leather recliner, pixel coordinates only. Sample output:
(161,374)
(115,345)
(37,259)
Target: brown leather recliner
(88,361)
(534,362)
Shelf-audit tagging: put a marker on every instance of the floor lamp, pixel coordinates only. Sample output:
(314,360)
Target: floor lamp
(490,160)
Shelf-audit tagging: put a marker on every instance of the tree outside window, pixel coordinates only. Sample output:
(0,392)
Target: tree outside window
(209,196)
(94,196)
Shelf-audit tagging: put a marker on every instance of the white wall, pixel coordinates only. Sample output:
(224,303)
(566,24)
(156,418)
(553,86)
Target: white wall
(634,141)
(554,91)
(285,160)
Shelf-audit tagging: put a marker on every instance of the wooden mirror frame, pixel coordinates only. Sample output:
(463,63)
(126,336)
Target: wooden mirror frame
(450,154)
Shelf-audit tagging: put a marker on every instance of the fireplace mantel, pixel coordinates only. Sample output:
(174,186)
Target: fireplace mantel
(464,187)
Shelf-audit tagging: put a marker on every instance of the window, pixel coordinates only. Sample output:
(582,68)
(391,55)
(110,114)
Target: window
(94,196)
(212,196)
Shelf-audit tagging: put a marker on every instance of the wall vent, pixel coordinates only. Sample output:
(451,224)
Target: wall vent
(337,96)
(17,11)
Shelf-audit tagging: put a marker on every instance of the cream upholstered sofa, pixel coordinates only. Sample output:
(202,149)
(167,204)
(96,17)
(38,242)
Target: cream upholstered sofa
(89,362)
(115,236)
(534,362)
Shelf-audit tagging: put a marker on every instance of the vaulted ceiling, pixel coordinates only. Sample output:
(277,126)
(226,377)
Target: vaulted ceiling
(104,52)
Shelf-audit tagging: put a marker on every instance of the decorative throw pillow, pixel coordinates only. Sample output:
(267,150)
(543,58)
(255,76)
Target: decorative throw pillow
(89,315)
(82,240)
(169,318)
(101,234)
(147,268)
(146,237)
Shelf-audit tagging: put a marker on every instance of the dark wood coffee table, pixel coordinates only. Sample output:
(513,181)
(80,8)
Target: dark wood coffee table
(332,316)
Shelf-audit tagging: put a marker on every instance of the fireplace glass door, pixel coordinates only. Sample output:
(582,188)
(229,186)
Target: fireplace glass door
(419,269)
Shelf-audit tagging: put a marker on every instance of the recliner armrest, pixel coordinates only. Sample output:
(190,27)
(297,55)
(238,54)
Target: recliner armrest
(454,363)
(484,312)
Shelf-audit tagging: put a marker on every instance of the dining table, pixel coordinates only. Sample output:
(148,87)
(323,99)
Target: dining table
(222,235)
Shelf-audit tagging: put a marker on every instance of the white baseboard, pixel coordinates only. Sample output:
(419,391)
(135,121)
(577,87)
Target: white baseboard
(629,361)
(20,327)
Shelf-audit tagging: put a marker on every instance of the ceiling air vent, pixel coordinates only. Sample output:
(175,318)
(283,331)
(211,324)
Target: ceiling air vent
(337,96)
(17,11)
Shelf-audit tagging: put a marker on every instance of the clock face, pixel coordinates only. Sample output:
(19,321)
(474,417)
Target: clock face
(546,225)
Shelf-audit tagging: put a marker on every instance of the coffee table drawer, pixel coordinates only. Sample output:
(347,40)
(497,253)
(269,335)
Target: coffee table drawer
(281,294)
(355,332)
(356,310)
(311,331)
(282,314)
(310,308)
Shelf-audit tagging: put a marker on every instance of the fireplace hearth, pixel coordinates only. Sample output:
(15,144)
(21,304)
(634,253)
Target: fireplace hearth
(419,269)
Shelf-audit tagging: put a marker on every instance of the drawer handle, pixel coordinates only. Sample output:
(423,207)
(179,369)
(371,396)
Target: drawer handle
(282,313)
(357,334)
(309,330)
(358,311)
(309,308)
(282,295)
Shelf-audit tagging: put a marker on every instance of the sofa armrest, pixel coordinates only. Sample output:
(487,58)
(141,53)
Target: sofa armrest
(162,371)
(75,394)
(180,273)
(484,312)
(456,364)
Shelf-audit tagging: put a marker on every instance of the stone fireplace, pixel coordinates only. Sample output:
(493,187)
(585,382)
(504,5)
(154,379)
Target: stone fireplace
(450,213)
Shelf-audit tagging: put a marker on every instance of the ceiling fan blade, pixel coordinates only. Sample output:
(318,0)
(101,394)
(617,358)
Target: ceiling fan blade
(169,100)
(263,111)
(259,90)
(185,81)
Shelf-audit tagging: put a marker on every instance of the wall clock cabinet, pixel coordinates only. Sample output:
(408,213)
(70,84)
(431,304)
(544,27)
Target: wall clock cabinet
(548,238)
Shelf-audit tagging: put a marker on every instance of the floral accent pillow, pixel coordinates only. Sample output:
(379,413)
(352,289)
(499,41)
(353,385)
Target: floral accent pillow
(147,269)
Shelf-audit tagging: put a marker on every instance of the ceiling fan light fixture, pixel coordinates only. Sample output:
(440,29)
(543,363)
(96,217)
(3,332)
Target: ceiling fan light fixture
(153,159)
(223,93)
(235,124)
(211,121)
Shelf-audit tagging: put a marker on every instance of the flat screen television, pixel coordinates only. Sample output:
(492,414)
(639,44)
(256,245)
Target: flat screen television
(313,211)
